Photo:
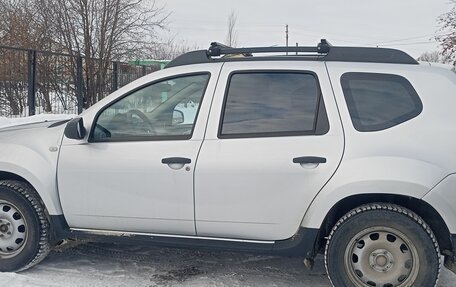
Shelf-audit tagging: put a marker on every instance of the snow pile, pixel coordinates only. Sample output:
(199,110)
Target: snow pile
(7,122)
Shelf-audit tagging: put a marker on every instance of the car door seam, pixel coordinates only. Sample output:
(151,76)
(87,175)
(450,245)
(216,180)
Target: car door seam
(201,145)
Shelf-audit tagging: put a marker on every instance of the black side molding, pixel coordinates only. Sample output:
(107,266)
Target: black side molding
(303,244)
(450,260)
(59,123)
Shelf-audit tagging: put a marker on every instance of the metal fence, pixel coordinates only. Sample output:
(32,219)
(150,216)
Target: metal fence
(33,82)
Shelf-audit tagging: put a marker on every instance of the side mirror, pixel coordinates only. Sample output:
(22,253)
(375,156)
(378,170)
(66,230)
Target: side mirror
(178,117)
(75,129)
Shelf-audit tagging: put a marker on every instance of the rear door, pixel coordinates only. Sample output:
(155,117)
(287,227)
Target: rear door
(273,140)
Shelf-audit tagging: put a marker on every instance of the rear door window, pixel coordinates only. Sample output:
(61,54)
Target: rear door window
(270,104)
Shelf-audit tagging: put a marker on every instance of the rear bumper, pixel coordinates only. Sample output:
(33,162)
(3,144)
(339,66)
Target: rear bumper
(442,198)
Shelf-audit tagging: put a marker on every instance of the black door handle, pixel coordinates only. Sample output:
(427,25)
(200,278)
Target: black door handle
(181,160)
(309,159)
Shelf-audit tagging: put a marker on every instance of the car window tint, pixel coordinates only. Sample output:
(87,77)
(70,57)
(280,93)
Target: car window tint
(268,103)
(379,101)
(166,109)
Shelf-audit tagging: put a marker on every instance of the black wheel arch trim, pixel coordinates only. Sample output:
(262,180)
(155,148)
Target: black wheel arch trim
(422,208)
(450,258)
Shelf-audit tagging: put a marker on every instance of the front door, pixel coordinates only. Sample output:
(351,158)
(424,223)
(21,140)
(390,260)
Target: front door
(135,171)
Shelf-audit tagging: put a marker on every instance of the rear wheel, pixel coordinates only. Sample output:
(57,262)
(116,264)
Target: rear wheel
(23,227)
(382,245)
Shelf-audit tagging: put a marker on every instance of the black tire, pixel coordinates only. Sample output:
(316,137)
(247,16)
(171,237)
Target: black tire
(33,248)
(363,230)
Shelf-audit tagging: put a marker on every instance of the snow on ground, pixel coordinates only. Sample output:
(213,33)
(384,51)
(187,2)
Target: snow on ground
(115,265)
(7,122)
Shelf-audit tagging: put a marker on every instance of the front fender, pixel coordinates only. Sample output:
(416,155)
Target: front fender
(31,152)
(39,171)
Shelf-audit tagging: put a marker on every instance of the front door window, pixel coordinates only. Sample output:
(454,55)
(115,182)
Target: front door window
(165,109)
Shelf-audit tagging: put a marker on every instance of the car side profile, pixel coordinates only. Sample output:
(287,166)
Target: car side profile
(345,151)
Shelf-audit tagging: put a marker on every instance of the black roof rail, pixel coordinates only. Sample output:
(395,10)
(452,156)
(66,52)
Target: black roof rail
(217,49)
(324,51)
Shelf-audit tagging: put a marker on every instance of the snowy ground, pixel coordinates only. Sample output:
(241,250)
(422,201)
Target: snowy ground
(97,265)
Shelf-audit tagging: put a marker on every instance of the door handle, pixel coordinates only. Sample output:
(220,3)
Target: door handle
(171,160)
(309,159)
(309,162)
(176,162)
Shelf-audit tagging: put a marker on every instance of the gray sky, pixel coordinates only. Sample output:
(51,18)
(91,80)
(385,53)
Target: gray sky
(405,24)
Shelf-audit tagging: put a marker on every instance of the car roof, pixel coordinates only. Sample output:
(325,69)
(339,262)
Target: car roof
(324,51)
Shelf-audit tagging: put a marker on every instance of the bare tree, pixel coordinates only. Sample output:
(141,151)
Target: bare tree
(447,36)
(17,32)
(23,27)
(437,57)
(168,49)
(102,31)
(99,30)
(432,57)
(231,35)
(18,26)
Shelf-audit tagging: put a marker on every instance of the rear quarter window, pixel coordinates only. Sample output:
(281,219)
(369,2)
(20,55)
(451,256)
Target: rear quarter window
(379,101)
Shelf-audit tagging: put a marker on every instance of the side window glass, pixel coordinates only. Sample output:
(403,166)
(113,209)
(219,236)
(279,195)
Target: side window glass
(379,101)
(165,109)
(270,104)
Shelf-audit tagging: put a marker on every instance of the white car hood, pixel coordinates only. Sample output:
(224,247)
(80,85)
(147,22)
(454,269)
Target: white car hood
(36,136)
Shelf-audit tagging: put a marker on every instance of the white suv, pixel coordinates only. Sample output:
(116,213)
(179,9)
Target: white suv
(346,151)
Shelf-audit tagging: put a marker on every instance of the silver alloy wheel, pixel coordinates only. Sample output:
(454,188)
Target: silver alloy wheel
(382,257)
(13,230)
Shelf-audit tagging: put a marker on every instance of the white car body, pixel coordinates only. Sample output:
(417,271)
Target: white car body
(245,189)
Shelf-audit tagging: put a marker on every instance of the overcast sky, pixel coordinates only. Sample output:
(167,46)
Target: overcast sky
(408,25)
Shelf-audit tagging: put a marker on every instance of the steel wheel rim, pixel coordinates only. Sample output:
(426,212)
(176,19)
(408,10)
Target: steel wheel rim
(13,230)
(381,257)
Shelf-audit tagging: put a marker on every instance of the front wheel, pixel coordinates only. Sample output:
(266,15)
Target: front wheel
(382,245)
(23,227)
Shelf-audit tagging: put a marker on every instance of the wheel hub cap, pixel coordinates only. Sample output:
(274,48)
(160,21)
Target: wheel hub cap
(381,256)
(381,260)
(13,230)
(5,228)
